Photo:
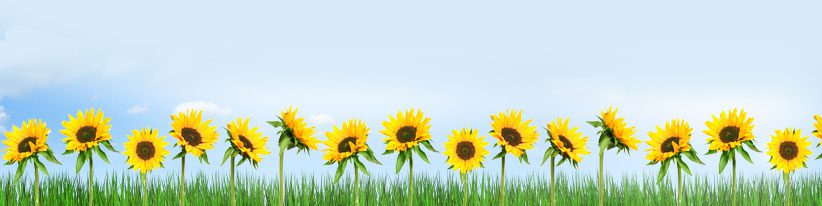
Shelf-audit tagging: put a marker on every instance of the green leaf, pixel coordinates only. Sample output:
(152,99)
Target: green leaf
(20,169)
(181,154)
(68,152)
(284,143)
(275,123)
(604,142)
(744,154)
(595,124)
(107,143)
(401,160)
(242,160)
(360,166)
(562,160)
(427,144)
(548,154)
(524,157)
(819,157)
(500,154)
(751,145)
(229,152)
(683,166)
(340,170)
(387,152)
(691,154)
(101,154)
(204,158)
(369,155)
(49,155)
(40,166)
(81,159)
(710,152)
(663,170)
(421,154)
(723,161)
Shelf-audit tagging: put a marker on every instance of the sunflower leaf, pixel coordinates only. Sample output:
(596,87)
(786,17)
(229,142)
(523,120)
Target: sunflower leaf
(400,161)
(561,160)
(276,124)
(81,159)
(500,154)
(340,170)
(49,155)
(723,160)
(20,169)
(68,152)
(547,155)
(242,160)
(663,170)
(421,154)
(229,152)
(204,158)
(751,145)
(107,143)
(101,154)
(683,166)
(691,154)
(427,144)
(40,166)
(360,166)
(595,124)
(549,135)
(284,143)
(181,154)
(819,157)
(369,155)
(524,157)
(744,154)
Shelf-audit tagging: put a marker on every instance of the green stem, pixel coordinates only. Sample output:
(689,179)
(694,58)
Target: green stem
(788,189)
(183,182)
(36,186)
(601,189)
(410,179)
(679,185)
(90,179)
(553,196)
(465,189)
(502,183)
(233,201)
(145,187)
(281,188)
(356,187)
(733,184)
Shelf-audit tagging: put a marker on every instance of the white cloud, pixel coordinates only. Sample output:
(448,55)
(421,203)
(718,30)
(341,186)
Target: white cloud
(322,119)
(137,109)
(3,118)
(206,107)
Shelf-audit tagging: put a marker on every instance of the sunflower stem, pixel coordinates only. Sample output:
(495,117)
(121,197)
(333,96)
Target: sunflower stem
(90,179)
(465,189)
(145,187)
(553,191)
(410,179)
(601,189)
(356,187)
(788,189)
(281,187)
(233,201)
(678,185)
(183,181)
(36,186)
(733,183)
(502,183)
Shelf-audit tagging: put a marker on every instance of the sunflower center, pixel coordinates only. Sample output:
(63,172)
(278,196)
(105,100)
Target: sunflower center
(145,150)
(344,147)
(246,143)
(86,134)
(729,134)
(24,145)
(511,136)
(192,136)
(465,150)
(668,144)
(788,150)
(406,134)
(566,143)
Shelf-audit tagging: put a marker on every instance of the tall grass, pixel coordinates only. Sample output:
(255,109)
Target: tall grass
(124,189)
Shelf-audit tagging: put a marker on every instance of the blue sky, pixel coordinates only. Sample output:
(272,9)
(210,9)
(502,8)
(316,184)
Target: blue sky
(459,61)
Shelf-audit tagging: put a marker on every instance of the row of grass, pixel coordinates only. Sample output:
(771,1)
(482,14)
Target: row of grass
(201,189)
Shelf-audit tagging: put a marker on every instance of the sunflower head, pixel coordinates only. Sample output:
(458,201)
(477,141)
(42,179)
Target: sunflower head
(192,133)
(297,129)
(729,130)
(86,130)
(669,141)
(565,141)
(817,125)
(144,150)
(346,141)
(247,141)
(512,133)
(26,140)
(465,151)
(406,130)
(788,150)
(615,127)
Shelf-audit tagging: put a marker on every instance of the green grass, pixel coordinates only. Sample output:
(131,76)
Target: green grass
(124,189)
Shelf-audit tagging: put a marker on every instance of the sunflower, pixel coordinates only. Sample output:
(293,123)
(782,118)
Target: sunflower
(465,151)
(788,149)
(406,130)
(86,130)
(818,127)
(26,140)
(731,129)
(513,134)
(346,141)
(249,142)
(619,129)
(192,133)
(145,151)
(569,142)
(669,141)
(298,128)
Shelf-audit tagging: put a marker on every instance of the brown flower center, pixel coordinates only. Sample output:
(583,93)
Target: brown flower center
(511,136)
(729,134)
(192,136)
(24,145)
(246,143)
(566,143)
(668,144)
(406,134)
(145,150)
(344,147)
(788,150)
(86,134)
(465,150)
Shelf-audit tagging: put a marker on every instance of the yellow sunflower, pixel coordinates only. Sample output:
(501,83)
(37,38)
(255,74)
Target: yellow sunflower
(817,126)
(465,151)
(26,140)
(406,130)
(788,149)
(512,133)
(248,141)
(145,151)
(86,130)
(569,142)
(619,129)
(731,129)
(346,141)
(669,141)
(299,128)
(192,133)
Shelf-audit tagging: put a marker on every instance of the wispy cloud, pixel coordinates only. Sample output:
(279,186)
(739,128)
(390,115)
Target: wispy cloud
(137,109)
(322,119)
(206,107)
(3,118)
